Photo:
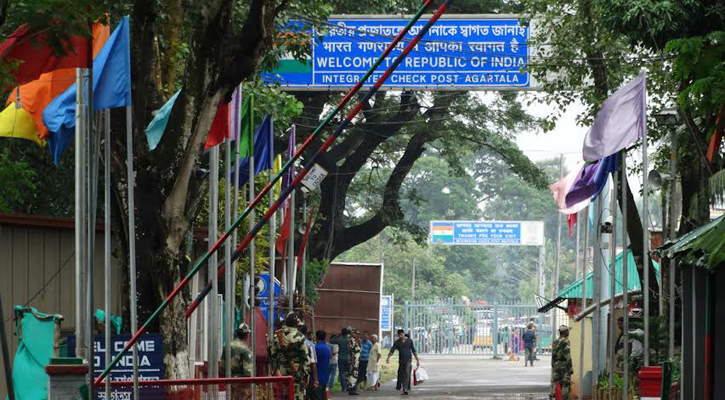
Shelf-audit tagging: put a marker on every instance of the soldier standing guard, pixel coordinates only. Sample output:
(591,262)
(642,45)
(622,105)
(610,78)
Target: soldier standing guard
(290,356)
(352,373)
(241,354)
(561,366)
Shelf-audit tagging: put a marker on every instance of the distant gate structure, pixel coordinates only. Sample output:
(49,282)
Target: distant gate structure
(451,327)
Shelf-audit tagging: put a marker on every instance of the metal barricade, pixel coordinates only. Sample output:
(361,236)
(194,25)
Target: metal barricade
(474,328)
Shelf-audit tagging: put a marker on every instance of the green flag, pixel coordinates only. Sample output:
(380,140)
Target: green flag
(247,136)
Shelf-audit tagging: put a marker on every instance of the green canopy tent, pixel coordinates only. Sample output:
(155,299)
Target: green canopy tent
(574,291)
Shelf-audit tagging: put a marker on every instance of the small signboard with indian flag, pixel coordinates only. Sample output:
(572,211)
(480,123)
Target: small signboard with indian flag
(488,233)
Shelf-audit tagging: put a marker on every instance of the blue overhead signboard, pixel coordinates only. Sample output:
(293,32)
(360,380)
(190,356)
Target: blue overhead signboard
(459,52)
(517,233)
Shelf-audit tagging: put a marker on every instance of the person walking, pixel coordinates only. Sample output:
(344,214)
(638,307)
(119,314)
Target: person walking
(332,368)
(312,382)
(365,346)
(529,338)
(290,356)
(561,365)
(343,360)
(322,352)
(374,361)
(406,352)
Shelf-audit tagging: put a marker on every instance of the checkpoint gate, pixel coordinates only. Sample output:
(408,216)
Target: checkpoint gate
(474,328)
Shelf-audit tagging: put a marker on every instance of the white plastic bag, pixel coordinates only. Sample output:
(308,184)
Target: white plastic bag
(421,375)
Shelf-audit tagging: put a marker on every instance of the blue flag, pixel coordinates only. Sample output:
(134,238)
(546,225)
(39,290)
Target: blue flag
(592,179)
(263,151)
(111,88)
(156,128)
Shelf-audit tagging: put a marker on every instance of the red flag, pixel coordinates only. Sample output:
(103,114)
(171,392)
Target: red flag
(281,243)
(219,127)
(716,139)
(36,56)
(304,238)
(571,221)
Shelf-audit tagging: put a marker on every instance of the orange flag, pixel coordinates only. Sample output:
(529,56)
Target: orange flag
(36,95)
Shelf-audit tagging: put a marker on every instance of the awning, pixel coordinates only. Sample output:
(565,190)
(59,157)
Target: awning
(575,290)
(703,247)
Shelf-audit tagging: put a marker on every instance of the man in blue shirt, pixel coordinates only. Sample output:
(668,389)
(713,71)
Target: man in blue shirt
(529,338)
(323,360)
(365,346)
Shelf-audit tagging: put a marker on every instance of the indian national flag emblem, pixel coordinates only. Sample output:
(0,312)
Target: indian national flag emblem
(442,233)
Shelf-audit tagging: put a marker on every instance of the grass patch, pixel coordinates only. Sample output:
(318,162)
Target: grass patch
(387,374)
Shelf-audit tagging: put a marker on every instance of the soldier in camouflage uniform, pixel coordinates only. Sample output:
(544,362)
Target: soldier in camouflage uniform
(561,366)
(352,373)
(290,355)
(241,354)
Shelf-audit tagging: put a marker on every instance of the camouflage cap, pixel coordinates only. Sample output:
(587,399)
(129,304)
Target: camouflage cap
(243,328)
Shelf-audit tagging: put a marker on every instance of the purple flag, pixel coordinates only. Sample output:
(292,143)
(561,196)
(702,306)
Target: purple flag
(235,115)
(621,121)
(290,174)
(591,180)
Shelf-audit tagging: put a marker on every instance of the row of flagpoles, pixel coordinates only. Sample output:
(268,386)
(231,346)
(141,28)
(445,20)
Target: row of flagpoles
(621,122)
(55,104)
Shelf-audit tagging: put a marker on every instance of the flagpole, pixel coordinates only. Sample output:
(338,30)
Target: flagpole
(252,248)
(213,363)
(555,273)
(272,241)
(79,226)
(597,292)
(237,144)
(583,335)
(107,239)
(612,280)
(131,183)
(291,270)
(625,277)
(304,253)
(646,243)
(229,307)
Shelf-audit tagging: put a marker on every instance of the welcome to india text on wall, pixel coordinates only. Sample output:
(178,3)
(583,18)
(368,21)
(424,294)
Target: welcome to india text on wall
(460,52)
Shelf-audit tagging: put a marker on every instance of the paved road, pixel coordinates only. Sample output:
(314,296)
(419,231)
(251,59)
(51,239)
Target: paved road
(473,377)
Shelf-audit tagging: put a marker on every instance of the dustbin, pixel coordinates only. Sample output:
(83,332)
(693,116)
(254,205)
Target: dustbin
(650,383)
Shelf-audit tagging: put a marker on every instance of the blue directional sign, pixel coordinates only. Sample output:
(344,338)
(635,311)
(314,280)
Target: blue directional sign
(522,233)
(465,52)
(386,313)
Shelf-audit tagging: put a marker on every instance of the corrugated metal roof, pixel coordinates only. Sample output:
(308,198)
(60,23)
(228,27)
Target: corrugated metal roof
(703,247)
(574,290)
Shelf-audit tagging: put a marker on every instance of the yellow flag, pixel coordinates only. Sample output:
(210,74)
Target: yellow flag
(275,170)
(17,123)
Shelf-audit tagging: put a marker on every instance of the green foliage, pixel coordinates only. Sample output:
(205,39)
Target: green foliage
(316,270)
(700,61)
(17,177)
